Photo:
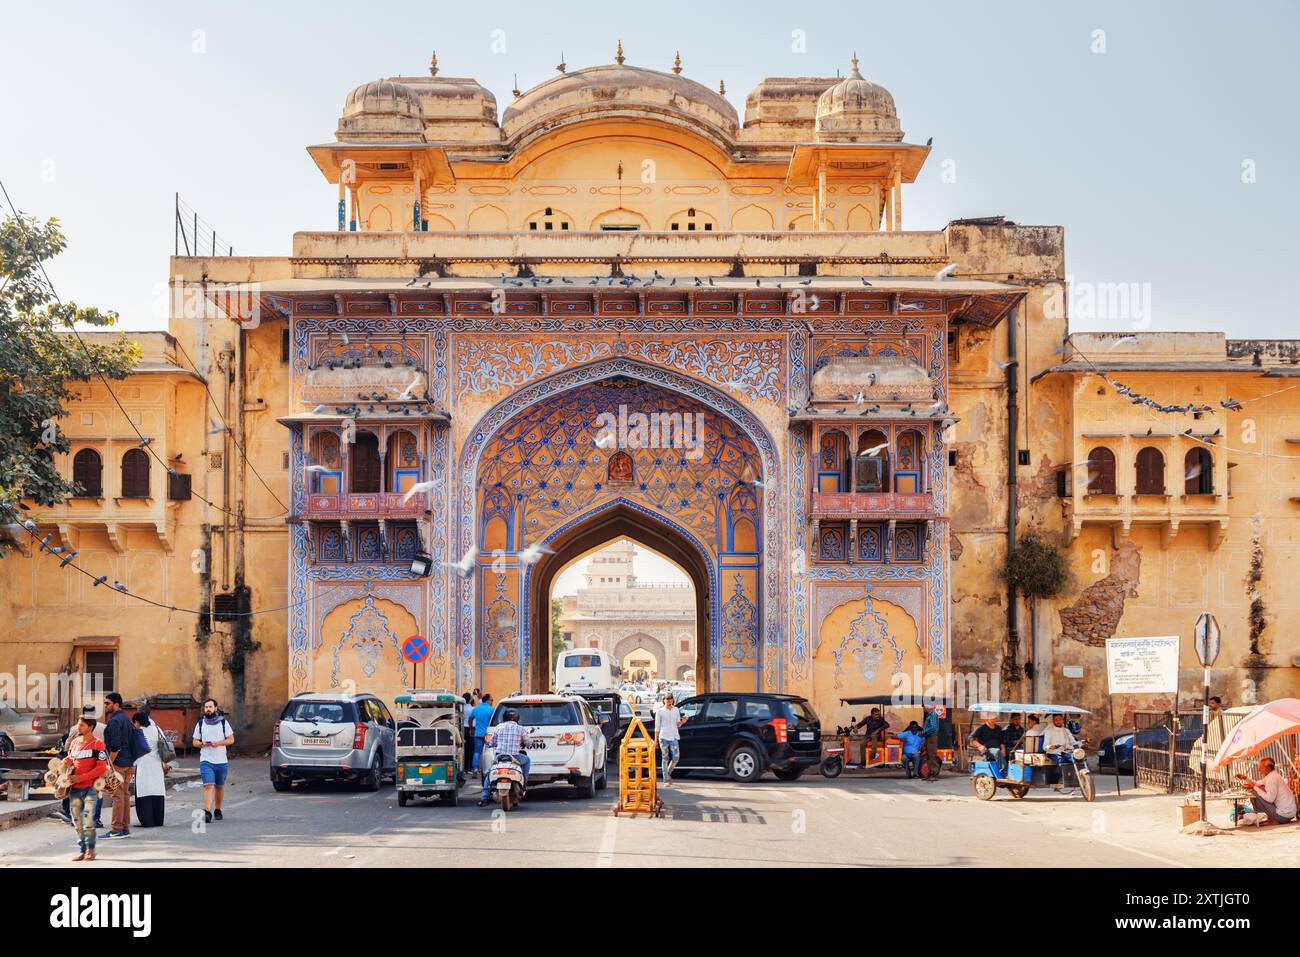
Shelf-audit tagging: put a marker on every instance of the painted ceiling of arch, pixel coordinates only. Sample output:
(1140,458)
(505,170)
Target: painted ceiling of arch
(547,460)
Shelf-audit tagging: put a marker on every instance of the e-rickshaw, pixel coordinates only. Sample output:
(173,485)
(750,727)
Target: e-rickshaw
(430,745)
(1030,766)
(835,760)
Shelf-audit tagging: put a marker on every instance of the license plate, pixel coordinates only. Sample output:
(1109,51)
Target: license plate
(415,780)
(539,744)
(806,735)
(316,742)
(426,769)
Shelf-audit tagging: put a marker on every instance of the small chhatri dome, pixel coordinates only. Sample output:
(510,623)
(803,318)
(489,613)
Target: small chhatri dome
(382,109)
(383,97)
(857,110)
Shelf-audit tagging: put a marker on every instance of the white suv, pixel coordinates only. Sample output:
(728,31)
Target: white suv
(567,741)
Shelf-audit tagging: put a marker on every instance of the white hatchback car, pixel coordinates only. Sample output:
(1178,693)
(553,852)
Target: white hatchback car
(567,741)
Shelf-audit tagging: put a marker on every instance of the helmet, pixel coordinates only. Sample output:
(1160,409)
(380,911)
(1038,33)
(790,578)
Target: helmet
(511,715)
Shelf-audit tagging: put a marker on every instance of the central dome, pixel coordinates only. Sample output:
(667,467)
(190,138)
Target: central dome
(857,110)
(618,90)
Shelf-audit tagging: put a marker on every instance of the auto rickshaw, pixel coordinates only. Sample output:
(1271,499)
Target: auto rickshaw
(1030,766)
(430,745)
(840,756)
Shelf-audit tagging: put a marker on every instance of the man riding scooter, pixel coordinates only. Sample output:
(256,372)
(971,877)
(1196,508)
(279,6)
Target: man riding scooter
(508,738)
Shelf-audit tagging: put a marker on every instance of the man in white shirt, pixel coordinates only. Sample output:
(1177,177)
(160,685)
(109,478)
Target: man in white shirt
(1057,738)
(213,735)
(668,736)
(1272,793)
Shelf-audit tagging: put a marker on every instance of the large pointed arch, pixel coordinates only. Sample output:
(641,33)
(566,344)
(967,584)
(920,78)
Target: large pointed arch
(611,522)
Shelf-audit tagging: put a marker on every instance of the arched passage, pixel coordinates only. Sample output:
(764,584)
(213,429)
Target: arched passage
(620,520)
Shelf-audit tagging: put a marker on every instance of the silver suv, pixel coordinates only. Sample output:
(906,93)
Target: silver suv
(331,736)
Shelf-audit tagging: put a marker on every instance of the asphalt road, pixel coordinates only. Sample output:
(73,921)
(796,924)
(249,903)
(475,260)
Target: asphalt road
(851,821)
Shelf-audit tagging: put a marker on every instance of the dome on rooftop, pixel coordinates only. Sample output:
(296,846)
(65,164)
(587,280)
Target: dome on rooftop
(382,109)
(857,110)
(616,90)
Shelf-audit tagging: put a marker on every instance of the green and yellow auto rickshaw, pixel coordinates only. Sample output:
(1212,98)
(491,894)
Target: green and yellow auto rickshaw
(430,745)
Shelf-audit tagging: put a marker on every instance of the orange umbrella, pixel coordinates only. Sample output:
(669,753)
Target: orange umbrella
(1258,729)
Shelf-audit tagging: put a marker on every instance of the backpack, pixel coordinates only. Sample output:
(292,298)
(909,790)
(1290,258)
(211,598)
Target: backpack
(139,745)
(198,732)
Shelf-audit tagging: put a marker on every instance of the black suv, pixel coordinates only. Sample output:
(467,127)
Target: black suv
(744,734)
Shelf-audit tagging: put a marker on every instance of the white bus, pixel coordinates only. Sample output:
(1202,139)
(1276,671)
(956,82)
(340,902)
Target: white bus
(586,668)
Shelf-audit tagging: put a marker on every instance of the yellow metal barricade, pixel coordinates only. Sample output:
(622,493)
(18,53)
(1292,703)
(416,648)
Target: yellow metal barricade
(637,782)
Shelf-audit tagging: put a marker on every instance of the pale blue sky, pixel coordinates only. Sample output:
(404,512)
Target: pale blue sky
(1137,151)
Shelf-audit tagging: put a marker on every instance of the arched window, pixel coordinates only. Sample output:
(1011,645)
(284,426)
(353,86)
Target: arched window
(402,461)
(1150,472)
(871,467)
(1199,474)
(364,461)
(909,462)
(690,220)
(1101,472)
(549,219)
(135,474)
(88,472)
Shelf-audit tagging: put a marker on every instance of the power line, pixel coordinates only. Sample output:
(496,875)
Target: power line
(65,561)
(234,441)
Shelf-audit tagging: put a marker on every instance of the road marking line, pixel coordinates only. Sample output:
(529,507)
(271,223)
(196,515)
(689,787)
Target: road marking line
(605,857)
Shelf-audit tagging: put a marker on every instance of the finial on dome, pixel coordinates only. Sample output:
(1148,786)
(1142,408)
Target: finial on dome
(561,65)
(677,63)
(515,91)
(618,54)
(854,74)
(433,64)
(722,87)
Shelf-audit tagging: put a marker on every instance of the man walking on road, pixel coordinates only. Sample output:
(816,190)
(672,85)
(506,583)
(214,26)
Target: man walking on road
(118,735)
(213,735)
(930,750)
(88,760)
(482,714)
(668,736)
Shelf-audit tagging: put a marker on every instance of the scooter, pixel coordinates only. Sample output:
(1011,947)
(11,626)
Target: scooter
(508,785)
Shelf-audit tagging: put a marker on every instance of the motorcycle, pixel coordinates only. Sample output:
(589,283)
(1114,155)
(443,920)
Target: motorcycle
(508,785)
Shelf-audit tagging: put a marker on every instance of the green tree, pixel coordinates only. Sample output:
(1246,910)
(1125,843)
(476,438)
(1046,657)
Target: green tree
(1037,569)
(40,361)
(557,636)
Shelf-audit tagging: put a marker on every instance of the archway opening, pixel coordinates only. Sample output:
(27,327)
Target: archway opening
(614,530)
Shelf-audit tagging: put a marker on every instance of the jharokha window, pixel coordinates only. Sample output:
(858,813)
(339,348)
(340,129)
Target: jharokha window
(1150,472)
(88,472)
(135,474)
(1199,474)
(1101,472)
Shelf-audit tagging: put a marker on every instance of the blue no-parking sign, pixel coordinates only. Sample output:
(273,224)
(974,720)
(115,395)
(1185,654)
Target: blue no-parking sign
(415,649)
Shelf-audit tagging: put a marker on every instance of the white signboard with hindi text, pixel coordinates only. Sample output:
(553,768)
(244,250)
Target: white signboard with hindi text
(1142,665)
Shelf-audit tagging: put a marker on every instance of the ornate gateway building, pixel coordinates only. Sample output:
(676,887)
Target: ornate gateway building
(617,310)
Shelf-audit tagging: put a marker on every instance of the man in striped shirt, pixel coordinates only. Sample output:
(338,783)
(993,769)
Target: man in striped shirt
(508,737)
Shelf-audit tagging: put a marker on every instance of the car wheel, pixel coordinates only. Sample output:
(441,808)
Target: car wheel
(6,744)
(602,782)
(790,774)
(453,797)
(743,765)
(1018,791)
(587,786)
(402,798)
(832,767)
(282,784)
(375,779)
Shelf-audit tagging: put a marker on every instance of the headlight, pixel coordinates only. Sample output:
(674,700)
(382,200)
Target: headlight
(1079,754)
